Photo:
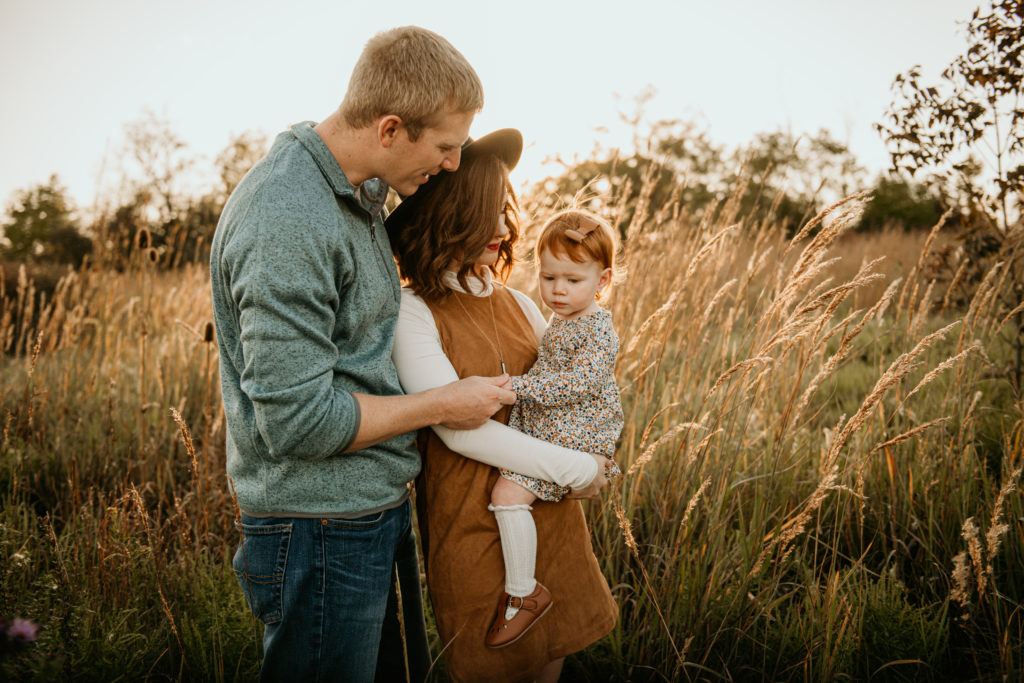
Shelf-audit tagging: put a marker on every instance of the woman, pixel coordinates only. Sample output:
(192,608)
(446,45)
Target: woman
(451,239)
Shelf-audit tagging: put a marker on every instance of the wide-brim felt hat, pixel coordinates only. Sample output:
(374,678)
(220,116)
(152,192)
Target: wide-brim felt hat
(506,144)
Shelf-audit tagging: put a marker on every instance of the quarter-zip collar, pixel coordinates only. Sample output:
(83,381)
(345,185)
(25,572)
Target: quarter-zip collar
(373,192)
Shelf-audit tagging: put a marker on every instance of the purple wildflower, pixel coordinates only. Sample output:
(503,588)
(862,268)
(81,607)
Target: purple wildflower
(22,631)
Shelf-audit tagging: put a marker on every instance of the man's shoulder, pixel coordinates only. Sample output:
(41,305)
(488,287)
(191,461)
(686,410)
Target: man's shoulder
(287,188)
(285,176)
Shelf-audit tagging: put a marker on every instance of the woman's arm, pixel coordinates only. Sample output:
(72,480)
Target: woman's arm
(422,364)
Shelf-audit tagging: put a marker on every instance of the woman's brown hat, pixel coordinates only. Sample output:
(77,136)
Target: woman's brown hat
(506,144)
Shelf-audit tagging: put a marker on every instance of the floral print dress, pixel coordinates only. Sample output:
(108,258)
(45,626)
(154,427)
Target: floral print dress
(569,396)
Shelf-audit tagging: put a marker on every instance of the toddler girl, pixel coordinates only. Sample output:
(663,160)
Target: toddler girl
(568,397)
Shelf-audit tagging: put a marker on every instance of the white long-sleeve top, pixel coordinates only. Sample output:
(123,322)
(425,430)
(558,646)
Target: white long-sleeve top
(422,364)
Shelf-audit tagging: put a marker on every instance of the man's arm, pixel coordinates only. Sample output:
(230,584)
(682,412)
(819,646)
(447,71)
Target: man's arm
(464,404)
(282,280)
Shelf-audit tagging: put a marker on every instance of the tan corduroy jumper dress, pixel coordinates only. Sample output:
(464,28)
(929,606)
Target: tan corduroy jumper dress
(465,573)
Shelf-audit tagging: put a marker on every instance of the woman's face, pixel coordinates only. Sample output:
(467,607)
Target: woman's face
(489,256)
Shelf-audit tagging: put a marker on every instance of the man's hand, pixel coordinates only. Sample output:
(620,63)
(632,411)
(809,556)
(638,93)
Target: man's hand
(593,489)
(470,402)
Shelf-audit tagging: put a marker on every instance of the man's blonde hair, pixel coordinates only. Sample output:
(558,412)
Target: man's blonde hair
(414,74)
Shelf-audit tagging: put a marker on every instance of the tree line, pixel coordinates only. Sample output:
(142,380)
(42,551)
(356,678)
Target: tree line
(956,144)
(41,224)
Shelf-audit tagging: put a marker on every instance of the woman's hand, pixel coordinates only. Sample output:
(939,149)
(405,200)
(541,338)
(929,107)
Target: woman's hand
(593,489)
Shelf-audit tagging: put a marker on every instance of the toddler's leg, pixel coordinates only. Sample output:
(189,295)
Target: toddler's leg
(524,600)
(510,503)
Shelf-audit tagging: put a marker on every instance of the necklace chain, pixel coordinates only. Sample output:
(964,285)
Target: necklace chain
(497,340)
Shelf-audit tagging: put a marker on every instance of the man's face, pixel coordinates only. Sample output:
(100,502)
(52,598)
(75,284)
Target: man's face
(438,148)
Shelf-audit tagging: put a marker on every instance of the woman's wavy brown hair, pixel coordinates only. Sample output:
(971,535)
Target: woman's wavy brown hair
(453,221)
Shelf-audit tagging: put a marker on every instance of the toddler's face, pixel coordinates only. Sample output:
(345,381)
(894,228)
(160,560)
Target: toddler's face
(569,288)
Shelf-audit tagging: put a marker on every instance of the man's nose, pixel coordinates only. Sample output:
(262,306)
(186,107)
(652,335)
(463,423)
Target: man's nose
(451,160)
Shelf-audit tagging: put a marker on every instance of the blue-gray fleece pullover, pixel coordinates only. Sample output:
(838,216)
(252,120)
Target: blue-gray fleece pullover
(305,300)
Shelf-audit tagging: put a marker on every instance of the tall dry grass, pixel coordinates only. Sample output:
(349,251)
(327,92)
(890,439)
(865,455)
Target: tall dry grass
(114,527)
(822,468)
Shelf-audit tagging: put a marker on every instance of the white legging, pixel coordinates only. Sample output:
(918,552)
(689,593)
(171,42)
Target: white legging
(518,546)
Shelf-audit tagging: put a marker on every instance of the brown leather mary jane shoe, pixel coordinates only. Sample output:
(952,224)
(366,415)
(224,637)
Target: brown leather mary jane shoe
(531,608)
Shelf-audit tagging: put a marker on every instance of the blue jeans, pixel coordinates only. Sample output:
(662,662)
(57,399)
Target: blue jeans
(404,626)
(320,587)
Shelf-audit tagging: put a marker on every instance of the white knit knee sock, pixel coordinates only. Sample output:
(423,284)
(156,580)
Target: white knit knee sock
(518,546)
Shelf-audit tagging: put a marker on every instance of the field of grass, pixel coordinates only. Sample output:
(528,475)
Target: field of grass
(822,469)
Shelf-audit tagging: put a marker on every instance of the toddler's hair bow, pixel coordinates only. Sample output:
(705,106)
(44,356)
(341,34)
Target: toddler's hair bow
(587,226)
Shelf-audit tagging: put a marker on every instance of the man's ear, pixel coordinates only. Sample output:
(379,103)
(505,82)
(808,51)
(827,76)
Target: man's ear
(387,129)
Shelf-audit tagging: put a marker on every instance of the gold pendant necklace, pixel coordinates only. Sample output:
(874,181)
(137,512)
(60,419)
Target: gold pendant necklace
(497,343)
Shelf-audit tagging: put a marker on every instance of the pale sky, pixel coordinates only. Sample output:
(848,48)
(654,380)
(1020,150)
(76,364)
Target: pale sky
(73,72)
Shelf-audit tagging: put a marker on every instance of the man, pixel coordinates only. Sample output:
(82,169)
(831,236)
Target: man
(305,296)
